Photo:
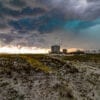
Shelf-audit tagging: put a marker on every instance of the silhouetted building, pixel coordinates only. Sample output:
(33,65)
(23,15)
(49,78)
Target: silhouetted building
(55,49)
(64,51)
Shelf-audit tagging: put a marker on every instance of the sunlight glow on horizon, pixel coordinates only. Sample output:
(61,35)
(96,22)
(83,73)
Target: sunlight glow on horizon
(29,50)
(74,49)
(22,50)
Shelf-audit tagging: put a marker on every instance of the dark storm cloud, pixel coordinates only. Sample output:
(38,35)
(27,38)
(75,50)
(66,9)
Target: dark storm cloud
(93,9)
(43,24)
(6,38)
(18,3)
(3,26)
(24,17)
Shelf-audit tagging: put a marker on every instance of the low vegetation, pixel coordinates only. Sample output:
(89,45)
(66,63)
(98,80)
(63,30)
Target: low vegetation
(36,64)
(83,58)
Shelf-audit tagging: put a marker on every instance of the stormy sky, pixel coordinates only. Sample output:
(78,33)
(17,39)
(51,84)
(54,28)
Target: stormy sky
(42,23)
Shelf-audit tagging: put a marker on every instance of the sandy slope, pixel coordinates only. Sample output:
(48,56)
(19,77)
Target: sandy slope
(71,81)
